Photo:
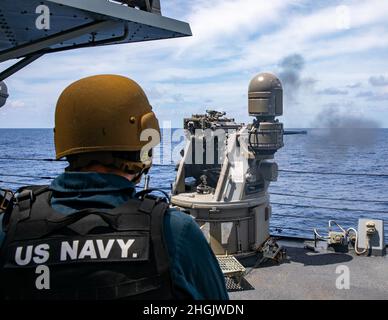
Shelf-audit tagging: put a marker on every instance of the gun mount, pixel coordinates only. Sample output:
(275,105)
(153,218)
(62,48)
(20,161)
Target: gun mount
(211,120)
(226,169)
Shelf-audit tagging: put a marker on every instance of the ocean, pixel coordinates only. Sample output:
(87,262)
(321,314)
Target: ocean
(307,194)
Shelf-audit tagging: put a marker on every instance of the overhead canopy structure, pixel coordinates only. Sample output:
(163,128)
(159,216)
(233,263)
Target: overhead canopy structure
(32,28)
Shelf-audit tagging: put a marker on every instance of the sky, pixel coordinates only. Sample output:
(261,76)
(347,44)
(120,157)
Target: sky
(332,57)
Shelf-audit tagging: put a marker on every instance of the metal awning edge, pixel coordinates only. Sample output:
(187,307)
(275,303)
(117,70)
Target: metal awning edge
(114,10)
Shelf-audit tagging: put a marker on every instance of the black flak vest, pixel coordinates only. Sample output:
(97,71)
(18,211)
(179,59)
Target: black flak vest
(92,254)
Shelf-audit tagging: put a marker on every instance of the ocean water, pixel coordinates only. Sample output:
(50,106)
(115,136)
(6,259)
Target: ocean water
(300,207)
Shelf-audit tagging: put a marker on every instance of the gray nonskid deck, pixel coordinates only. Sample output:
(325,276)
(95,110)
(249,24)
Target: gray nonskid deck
(313,276)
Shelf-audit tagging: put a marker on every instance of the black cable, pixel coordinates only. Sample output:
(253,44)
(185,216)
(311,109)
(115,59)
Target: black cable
(273,193)
(18,183)
(327,208)
(325,219)
(281,170)
(274,215)
(26,176)
(337,173)
(31,159)
(325,198)
(287,228)
(63,160)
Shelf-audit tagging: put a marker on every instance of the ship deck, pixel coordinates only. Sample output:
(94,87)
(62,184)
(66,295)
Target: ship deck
(313,275)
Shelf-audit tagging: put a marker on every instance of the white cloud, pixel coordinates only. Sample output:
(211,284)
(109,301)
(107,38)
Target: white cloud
(233,39)
(217,20)
(15,104)
(318,36)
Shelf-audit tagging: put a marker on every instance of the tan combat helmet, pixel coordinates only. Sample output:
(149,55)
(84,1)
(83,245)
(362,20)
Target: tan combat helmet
(101,119)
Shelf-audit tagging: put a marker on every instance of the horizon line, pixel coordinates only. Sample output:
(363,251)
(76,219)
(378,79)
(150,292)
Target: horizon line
(286,129)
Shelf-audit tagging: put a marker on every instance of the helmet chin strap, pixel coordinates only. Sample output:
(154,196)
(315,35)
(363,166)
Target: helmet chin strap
(106,158)
(136,179)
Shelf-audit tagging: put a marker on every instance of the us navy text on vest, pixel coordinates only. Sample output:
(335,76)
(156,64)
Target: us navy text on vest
(80,250)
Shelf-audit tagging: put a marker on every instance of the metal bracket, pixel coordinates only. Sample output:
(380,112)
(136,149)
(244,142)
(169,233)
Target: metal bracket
(72,32)
(19,65)
(6,199)
(271,250)
(36,46)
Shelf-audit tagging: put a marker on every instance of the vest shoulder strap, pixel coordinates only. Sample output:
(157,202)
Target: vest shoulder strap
(34,218)
(23,201)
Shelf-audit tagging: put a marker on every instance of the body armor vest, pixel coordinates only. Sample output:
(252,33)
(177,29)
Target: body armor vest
(91,254)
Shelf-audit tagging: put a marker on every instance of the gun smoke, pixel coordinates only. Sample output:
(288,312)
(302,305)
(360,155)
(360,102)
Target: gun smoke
(291,69)
(345,131)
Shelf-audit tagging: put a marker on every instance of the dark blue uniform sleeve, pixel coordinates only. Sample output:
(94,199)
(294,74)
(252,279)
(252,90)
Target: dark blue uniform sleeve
(2,234)
(195,269)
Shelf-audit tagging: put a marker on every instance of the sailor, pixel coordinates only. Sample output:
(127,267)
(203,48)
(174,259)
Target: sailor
(89,235)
